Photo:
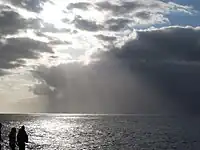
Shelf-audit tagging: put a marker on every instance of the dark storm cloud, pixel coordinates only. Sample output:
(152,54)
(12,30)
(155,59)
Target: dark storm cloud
(168,44)
(88,25)
(157,72)
(170,59)
(15,49)
(99,88)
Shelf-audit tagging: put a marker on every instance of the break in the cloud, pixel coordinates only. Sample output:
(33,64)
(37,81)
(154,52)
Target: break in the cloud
(45,42)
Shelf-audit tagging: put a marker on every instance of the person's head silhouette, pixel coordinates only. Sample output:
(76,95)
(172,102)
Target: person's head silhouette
(0,125)
(13,130)
(23,127)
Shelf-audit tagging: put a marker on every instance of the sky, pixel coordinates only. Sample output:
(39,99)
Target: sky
(97,56)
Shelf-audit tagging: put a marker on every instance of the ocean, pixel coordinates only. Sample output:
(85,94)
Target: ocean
(105,132)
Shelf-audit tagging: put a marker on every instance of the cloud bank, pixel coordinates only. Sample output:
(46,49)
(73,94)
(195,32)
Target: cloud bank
(156,72)
(100,57)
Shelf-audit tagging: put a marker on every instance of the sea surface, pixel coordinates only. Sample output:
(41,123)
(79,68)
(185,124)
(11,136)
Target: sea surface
(105,132)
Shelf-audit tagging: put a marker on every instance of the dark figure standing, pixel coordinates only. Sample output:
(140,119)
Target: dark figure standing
(12,138)
(22,138)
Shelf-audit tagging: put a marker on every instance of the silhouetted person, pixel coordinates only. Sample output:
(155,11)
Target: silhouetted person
(12,138)
(22,138)
(0,136)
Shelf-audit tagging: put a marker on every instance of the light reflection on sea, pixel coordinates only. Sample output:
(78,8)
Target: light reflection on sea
(105,132)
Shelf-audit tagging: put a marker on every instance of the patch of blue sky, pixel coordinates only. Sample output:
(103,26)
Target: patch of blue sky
(182,19)
(194,3)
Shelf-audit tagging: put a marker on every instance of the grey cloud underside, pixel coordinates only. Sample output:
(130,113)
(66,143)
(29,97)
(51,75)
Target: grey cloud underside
(157,72)
(116,24)
(123,7)
(83,24)
(11,22)
(20,48)
(57,42)
(101,88)
(14,49)
(169,44)
(30,5)
(144,15)
(170,59)
(106,38)
(79,5)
